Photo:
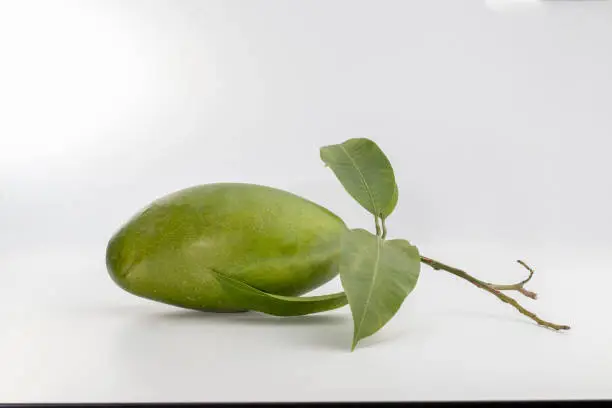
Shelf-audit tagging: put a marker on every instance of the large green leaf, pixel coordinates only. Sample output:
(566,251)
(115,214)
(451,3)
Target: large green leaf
(248,297)
(365,172)
(377,275)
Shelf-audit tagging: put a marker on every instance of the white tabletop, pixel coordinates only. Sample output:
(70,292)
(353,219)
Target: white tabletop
(496,118)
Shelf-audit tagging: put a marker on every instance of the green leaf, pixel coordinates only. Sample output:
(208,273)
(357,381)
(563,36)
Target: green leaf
(248,297)
(377,275)
(365,172)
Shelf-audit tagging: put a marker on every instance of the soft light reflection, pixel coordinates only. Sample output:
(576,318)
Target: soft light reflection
(68,74)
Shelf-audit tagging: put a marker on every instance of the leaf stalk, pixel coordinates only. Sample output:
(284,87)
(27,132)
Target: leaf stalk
(384,228)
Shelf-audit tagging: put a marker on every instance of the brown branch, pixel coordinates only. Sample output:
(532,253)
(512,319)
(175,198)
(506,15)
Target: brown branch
(497,290)
(519,287)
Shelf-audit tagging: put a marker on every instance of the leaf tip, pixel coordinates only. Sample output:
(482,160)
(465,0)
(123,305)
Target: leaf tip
(355,341)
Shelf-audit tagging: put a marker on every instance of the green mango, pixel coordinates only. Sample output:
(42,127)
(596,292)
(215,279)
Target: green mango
(226,247)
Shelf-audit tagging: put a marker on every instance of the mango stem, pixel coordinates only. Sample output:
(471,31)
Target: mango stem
(497,290)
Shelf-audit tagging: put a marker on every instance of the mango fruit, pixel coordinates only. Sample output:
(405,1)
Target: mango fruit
(261,238)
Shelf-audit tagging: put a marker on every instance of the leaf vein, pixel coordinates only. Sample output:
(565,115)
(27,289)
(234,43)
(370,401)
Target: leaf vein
(363,180)
(371,290)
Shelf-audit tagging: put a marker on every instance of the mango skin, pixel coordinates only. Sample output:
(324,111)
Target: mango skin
(271,239)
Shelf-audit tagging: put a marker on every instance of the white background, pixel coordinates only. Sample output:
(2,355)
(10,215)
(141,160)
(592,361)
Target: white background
(497,121)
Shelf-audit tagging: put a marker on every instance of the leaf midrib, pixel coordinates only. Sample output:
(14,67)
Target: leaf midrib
(371,290)
(363,179)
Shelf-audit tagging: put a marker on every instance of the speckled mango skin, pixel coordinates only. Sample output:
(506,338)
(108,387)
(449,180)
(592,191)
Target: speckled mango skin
(271,239)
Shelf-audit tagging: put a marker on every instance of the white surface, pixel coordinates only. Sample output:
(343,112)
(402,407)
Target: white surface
(497,122)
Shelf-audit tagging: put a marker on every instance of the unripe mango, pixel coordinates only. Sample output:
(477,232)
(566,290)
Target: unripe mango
(270,239)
